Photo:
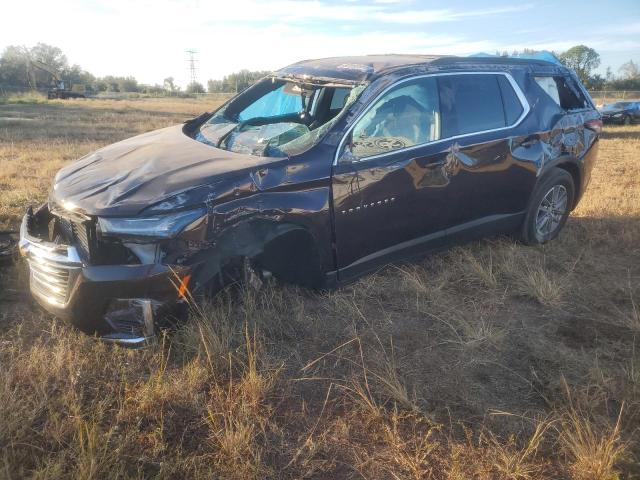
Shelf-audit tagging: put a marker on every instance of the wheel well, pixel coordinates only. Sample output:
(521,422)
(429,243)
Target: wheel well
(574,171)
(293,257)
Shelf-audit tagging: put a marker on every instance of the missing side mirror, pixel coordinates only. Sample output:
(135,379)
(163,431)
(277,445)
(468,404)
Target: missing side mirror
(346,155)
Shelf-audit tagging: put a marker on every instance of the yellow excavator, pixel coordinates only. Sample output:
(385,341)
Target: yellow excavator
(56,88)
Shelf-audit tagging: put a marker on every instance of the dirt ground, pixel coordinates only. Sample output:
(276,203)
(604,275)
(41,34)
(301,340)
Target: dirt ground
(491,360)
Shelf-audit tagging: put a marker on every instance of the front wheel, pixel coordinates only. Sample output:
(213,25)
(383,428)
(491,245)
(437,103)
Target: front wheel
(549,208)
(627,120)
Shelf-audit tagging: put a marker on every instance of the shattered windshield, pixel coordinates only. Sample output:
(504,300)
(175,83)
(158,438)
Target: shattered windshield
(277,117)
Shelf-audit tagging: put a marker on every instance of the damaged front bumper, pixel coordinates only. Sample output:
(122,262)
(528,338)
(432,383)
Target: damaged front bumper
(123,304)
(613,119)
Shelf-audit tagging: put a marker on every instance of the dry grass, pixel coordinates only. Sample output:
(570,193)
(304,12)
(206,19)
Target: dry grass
(490,361)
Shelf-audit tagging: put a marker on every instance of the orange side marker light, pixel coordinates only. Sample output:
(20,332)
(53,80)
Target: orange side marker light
(184,285)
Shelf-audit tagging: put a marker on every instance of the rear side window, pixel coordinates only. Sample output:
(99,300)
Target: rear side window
(512,106)
(563,91)
(470,103)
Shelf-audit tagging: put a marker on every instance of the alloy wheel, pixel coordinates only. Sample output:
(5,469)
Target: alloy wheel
(551,210)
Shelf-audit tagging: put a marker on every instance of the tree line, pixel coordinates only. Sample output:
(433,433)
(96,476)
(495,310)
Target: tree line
(584,60)
(18,69)
(22,67)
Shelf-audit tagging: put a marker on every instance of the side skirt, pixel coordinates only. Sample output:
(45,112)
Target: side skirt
(411,249)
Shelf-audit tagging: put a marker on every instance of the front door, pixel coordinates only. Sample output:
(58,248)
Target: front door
(388,187)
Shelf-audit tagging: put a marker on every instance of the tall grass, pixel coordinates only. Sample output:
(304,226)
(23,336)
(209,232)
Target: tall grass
(400,375)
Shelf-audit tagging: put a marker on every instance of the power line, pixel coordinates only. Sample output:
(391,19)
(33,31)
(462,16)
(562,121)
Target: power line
(192,65)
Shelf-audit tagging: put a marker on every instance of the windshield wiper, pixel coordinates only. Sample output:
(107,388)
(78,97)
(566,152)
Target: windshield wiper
(224,136)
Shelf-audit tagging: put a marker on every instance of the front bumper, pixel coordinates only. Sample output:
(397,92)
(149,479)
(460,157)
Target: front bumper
(85,295)
(613,120)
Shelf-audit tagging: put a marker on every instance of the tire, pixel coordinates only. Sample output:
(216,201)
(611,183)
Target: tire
(627,120)
(549,207)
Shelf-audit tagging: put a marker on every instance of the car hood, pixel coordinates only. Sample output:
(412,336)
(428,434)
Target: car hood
(612,112)
(124,178)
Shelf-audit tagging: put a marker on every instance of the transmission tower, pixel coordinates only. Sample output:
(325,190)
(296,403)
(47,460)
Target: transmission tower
(192,65)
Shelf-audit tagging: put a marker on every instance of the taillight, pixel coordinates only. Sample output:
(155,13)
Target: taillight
(595,125)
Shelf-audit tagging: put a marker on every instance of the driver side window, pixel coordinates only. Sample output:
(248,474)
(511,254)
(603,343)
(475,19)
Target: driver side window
(404,116)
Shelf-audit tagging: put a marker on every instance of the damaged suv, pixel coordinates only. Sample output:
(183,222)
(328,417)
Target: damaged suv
(317,174)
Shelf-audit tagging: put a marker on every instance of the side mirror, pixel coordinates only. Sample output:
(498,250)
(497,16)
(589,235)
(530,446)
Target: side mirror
(347,156)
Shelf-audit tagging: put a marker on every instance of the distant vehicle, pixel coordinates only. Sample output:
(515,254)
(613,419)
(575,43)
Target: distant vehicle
(621,113)
(319,173)
(57,88)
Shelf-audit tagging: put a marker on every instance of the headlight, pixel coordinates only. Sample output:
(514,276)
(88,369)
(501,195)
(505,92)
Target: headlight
(617,115)
(161,226)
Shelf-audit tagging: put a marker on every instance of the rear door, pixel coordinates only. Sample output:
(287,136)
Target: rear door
(487,185)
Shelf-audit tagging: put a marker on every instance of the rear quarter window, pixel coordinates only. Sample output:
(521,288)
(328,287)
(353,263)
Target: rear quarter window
(564,91)
(470,103)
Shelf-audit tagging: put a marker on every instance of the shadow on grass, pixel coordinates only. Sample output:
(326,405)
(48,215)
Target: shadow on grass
(619,132)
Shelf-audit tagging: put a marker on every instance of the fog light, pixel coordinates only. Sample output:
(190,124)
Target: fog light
(133,316)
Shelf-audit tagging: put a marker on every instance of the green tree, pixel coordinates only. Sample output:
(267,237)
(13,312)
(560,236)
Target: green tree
(127,84)
(14,67)
(215,86)
(18,65)
(609,75)
(596,82)
(49,55)
(235,82)
(169,86)
(582,59)
(629,70)
(74,77)
(195,87)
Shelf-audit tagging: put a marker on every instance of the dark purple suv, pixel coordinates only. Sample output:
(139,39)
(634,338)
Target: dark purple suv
(319,173)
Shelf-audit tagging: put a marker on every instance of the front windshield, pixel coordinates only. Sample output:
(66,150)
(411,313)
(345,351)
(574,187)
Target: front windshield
(616,106)
(277,117)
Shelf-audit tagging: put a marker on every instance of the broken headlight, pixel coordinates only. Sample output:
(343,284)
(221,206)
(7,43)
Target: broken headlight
(160,226)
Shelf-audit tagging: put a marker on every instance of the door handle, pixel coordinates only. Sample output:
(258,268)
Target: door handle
(528,142)
(439,163)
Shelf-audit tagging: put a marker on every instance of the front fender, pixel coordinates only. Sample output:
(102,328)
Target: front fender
(243,228)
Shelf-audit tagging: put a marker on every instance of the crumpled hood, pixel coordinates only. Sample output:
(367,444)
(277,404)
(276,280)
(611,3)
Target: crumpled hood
(124,178)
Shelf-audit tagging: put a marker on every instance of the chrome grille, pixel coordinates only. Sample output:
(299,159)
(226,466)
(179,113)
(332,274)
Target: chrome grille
(67,229)
(80,233)
(81,236)
(49,280)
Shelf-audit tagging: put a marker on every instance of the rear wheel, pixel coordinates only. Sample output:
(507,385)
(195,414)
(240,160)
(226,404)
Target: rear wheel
(549,208)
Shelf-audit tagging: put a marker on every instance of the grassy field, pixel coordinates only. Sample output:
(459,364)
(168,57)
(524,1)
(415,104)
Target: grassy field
(489,361)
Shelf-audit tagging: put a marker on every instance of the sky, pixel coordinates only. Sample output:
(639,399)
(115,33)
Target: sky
(149,38)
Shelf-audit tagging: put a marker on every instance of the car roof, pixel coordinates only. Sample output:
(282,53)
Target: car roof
(364,68)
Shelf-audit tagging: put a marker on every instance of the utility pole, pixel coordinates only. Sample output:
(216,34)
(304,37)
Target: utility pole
(192,65)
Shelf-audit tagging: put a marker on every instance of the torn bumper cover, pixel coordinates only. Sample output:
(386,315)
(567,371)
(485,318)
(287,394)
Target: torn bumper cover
(121,303)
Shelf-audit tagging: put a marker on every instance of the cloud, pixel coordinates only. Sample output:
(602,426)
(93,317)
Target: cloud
(444,15)
(148,38)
